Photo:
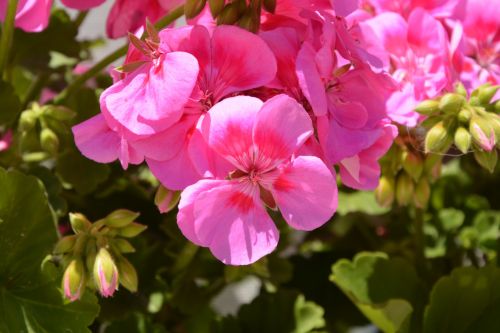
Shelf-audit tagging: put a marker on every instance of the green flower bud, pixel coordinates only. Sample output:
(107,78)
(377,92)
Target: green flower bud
(73,282)
(120,218)
(462,140)
(229,15)
(105,273)
(269,5)
(485,94)
(487,160)
(250,22)
(59,112)
(28,120)
(128,275)
(384,193)
(464,116)
(451,103)
(193,7)
(404,189)
(216,7)
(35,157)
(460,89)
(65,244)
(123,246)
(427,107)
(422,193)
(49,141)
(496,107)
(437,139)
(90,254)
(166,200)
(79,223)
(413,165)
(131,230)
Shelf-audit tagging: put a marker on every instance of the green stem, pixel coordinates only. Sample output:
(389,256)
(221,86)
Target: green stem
(80,18)
(35,89)
(7,32)
(420,241)
(98,67)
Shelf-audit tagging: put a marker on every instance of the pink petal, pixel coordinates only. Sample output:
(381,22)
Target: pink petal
(306,193)
(426,35)
(230,123)
(310,81)
(153,98)
(31,15)
(231,219)
(241,60)
(387,32)
(351,115)
(281,127)
(82,4)
(96,140)
(128,16)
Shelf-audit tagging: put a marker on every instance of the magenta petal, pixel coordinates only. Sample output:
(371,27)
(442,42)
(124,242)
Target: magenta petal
(128,16)
(31,15)
(82,4)
(230,123)
(310,80)
(281,127)
(241,60)
(306,193)
(231,219)
(96,140)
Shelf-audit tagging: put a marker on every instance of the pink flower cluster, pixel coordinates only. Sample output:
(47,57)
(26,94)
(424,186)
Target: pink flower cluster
(241,121)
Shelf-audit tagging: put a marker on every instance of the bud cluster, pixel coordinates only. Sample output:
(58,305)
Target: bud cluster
(243,13)
(407,174)
(470,123)
(93,256)
(41,129)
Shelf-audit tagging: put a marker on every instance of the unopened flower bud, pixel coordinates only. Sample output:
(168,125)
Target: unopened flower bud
(131,230)
(413,165)
(250,22)
(496,107)
(487,160)
(216,7)
(128,275)
(65,244)
(74,280)
(462,139)
(120,218)
(166,200)
(269,5)
(79,223)
(464,116)
(49,141)
(451,103)
(485,94)
(59,112)
(229,15)
(422,193)
(460,89)
(427,107)
(384,193)
(90,254)
(123,246)
(105,273)
(193,7)
(482,133)
(28,120)
(404,189)
(437,139)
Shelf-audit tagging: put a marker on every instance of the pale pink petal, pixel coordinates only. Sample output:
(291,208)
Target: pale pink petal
(241,60)
(281,127)
(386,33)
(82,4)
(31,15)
(306,193)
(310,81)
(230,123)
(426,35)
(233,222)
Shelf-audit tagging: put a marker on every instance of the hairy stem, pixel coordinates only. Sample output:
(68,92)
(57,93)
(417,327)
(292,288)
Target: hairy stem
(98,67)
(7,32)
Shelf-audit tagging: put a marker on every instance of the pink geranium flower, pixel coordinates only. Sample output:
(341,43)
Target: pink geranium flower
(437,8)
(127,15)
(259,141)
(5,140)
(31,15)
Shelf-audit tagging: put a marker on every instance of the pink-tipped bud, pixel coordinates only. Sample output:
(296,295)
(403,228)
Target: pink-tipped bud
(105,273)
(74,280)
(485,140)
(166,200)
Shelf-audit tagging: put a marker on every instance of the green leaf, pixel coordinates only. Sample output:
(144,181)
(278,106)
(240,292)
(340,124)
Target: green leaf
(467,301)
(282,312)
(29,300)
(363,202)
(83,174)
(451,219)
(10,105)
(387,291)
